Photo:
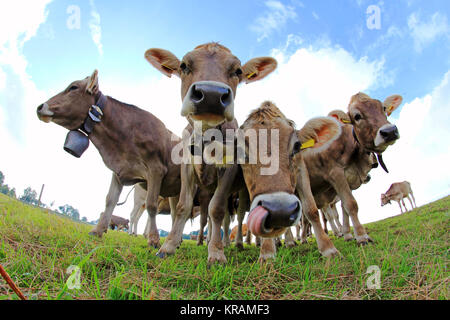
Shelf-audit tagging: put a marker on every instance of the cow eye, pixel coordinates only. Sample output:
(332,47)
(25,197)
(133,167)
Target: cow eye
(72,88)
(358,117)
(238,72)
(296,148)
(184,68)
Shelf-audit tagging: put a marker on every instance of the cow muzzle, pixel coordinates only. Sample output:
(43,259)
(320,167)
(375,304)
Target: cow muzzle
(271,214)
(44,113)
(386,136)
(209,101)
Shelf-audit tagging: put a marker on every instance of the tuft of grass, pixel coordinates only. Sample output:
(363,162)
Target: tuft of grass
(37,247)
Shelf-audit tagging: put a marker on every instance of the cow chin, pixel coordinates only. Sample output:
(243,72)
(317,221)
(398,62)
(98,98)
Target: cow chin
(208,120)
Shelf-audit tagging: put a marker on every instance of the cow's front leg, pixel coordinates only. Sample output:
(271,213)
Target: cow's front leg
(289,241)
(217,208)
(226,228)
(268,250)
(348,236)
(244,205)
(153,189)
(112,198)
(182,212)
(204,198)
(324,244)
(339,183)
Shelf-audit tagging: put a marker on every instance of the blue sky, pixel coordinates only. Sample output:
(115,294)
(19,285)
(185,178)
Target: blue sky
(325,49)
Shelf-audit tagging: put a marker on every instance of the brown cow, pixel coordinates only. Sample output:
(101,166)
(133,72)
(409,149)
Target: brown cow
(119,222)
(235,230)
(341,166)
(132,142)
(274,205)
(209,77)
(398,191)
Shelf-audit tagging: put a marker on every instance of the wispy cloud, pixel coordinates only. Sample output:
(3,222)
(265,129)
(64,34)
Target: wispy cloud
(425,32)
(274,18)
(94,26)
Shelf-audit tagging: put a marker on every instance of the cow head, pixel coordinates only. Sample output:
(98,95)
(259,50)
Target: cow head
(385,199)
(70,107)
(209,77)
(274,206)
(369,118)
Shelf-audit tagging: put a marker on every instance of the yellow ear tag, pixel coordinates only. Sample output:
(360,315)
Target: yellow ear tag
(251,75)
(163,65)
(308,144)
(390,109)
(345,121)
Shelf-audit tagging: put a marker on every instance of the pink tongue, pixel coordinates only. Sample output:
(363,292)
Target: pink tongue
(255,220)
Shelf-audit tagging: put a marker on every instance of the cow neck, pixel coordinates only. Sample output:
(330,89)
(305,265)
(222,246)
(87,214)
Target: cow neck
(379,156)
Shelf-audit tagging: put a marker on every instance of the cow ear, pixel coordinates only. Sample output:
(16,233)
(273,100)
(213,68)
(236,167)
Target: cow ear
(92,84)
(258,68)
(391,103)
(163,60)
(340,116)
(319,133)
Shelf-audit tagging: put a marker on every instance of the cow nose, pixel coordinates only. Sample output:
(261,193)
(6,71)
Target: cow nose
(367,178)
(40,108)
(390,133)
(210,98)
(281,214)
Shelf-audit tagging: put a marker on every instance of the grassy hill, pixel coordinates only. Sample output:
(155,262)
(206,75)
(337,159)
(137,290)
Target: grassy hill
(411,250)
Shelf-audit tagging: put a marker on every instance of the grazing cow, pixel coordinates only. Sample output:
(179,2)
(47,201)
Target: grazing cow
(274,205)
(118,222)
(132,142)
(397,191)
(209,77)
(343,165)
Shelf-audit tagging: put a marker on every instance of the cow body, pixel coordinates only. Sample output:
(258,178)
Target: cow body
(119,222)
(134,144)
(209,77)
(343,165)
(397,192)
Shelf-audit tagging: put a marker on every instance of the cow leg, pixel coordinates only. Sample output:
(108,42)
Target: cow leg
(226,228)
(153,188)
(258,241)
(217,208)
(411,193)
(248,238)
(305,228)
(403,202)
(339,183)
(297,230)
(289,241)
(324,219)
(182,212)
(348,236)
(410,202)
(401,209)
(335,214)
(268,250)
(324,244)
(112,198)
(173,205)
(137,217)
(204,202)
(328,211)
(244,204)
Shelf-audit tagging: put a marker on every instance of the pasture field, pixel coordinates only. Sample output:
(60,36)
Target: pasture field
(411,251)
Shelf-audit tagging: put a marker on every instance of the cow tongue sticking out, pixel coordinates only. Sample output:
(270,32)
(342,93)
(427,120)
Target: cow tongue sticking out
(256,220)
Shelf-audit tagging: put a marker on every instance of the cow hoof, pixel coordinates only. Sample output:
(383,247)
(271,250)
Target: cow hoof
(266,258)
(96,234)
(331,253)
(348,237)
(290,244)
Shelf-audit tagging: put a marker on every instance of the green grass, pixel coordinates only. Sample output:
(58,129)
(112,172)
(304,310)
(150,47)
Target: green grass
(37,247)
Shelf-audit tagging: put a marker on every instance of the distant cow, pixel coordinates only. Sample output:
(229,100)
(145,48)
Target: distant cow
(119,222)
(235,230)
(397,191)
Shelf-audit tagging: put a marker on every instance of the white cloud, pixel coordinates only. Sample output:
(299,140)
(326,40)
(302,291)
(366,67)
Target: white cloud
(274,18)
(425,32)
(94,26)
